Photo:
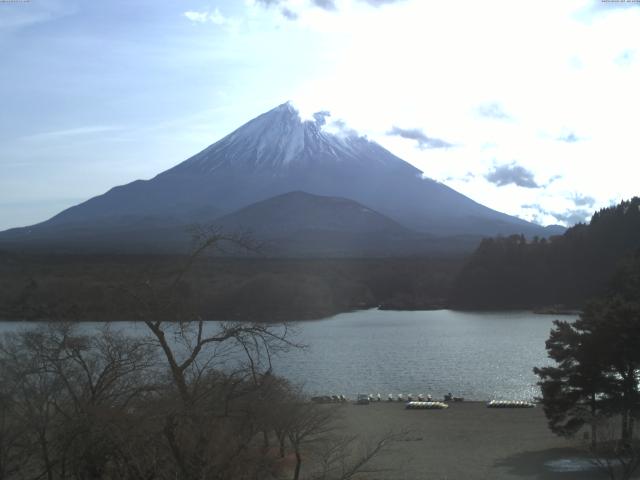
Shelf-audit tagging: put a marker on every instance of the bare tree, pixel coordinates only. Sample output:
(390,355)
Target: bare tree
(229,364)
(12,433)
(314,433)
(344,457)
(69,389)
(308,423)
(240,354)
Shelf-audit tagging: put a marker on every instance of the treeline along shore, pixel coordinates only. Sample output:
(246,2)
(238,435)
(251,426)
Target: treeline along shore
(510,272)
(257,289)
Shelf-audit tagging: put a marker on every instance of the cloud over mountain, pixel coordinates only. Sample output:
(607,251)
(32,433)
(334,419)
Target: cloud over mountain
(569,138)
(289,14)
(583,200)
(325,4)
(424,142)
(512,174)
(493,110)
(569,217)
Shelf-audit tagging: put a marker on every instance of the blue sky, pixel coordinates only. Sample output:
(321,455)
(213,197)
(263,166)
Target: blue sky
(528,107)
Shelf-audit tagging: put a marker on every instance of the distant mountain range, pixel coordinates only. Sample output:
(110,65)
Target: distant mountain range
(300,189)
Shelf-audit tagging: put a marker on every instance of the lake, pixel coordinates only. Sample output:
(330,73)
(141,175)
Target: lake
(476,355)
(479,356)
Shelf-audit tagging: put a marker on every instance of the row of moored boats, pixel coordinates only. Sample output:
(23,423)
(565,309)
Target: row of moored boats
(510,404)
(400,397)
(420,401)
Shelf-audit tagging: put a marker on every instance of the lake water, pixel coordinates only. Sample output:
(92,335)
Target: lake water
(479,356)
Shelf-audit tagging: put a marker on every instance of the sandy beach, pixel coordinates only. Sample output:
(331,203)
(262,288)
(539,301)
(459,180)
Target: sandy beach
(469,441)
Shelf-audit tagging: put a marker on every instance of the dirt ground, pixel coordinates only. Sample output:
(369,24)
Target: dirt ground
(468,441)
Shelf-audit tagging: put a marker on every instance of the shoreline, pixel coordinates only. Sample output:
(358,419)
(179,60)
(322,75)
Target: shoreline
(311,318)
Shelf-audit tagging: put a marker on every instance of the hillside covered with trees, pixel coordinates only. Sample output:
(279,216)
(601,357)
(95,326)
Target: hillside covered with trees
(41,287)
(566,270)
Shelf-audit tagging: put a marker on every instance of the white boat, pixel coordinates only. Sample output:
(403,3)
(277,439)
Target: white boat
(510,404)
(426,405)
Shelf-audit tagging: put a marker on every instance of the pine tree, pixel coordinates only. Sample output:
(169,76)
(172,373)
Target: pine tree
(597,372)
(571,390)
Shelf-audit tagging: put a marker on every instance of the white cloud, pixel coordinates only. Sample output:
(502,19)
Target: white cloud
(72,132)
(211,16)
(424,64)
(508,174)
(198,17)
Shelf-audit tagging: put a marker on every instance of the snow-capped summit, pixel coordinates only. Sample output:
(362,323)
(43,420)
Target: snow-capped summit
(279,139)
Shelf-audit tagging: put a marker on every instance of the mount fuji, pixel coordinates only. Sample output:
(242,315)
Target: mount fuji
(251,170)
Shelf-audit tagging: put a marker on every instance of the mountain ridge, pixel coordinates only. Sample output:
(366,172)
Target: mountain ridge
(271,155)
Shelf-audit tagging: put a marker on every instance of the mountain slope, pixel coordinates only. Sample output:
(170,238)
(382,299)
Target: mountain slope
(295,224)
(301,224)
(273,154)
(285,214)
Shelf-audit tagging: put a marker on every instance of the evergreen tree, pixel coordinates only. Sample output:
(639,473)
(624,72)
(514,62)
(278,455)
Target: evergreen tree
(598,362)
(571,390)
